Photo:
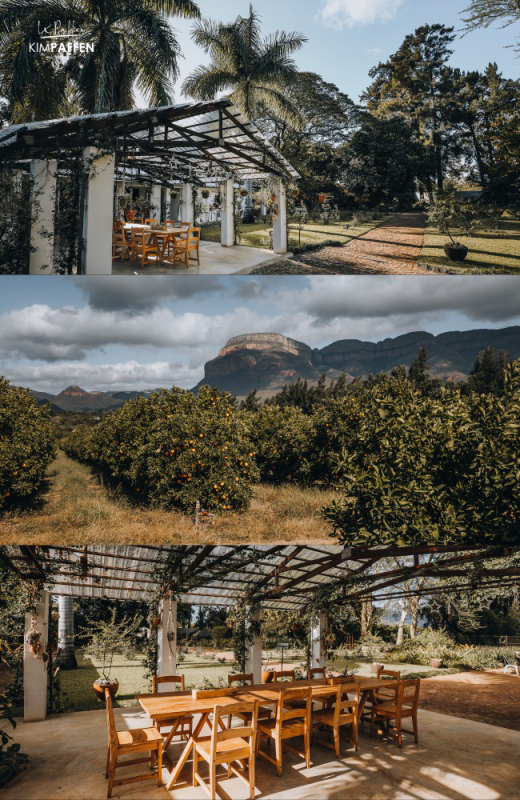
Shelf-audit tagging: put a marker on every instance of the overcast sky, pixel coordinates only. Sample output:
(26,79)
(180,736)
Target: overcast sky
(144,332)
(348,37)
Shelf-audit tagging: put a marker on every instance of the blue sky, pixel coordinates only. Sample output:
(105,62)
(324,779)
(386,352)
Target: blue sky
(132,333)
(348,37)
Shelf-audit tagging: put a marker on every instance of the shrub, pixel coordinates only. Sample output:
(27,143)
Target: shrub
(26,445)
(283,441)
(173,449)
(428,644)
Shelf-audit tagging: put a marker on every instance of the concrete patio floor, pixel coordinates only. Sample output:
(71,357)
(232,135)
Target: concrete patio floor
(214,260)
(455,758)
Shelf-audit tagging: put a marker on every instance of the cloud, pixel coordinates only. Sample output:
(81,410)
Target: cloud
(348,13)
(121,376)
(487,299)
(132,295)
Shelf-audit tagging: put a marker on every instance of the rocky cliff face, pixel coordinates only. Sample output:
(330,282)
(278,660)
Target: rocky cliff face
(266,361)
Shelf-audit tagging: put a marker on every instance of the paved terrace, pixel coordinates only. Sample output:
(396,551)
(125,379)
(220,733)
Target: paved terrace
(455,758)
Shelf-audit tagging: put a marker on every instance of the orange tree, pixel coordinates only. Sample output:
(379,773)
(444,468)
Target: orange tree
(283,441)
(26,445)
(416,469)
(173,449)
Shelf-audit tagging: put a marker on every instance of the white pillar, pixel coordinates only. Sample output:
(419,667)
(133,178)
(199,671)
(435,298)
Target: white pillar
(187,203)
(98,213)
(156,201)
(227,214)
(43,207)
(254,649)
(167,641)
(34,666)
(318,648)
(280,220)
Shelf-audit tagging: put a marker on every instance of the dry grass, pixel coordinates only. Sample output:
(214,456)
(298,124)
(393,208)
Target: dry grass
(76,508)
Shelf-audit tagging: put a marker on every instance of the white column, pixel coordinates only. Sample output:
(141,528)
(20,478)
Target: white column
(254,649)
(187,203)
(280,220)
(43,207)
(227,214)
(167,641)
(98,213)
(318,648)
(34,666)
(156,201)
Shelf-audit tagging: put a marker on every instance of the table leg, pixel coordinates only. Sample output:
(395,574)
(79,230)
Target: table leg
(172,733)
(185,753)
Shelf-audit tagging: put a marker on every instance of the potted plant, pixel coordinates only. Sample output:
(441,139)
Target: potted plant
(436,663)
(106,638)
(441,215)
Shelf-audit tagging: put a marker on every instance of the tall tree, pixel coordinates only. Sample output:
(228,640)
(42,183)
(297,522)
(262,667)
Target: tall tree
(255,71)
(416,83)
(488,373)
(134,45)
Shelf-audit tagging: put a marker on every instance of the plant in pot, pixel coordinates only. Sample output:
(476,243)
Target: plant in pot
(106,639)
(443,214)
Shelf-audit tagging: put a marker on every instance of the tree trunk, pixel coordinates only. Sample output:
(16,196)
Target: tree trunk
(413,602)
(478,154)
(66,658)
(402,620)
(366,617)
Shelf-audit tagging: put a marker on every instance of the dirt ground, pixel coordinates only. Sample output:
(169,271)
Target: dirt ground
(391,248)
(488,696)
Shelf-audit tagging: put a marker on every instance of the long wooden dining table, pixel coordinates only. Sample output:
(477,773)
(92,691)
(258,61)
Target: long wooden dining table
(170,707)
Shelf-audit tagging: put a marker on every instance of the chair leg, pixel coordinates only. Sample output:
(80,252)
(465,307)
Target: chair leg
(108,762)
(399,732)
(307,740)
(195,763)
(278,743)
(213,780)
(355,732)
(415,728)
(159,764)
(112,772)
(336,741)
(251,766)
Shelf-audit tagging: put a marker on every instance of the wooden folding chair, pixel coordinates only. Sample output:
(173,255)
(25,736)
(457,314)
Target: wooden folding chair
(144,244)
(183,725)
(247,680)
(287,724)
(403,706)
(139,220)
(121,743)
(149,221)
(182,244)
(226,746)
(344,712)
(393,677)
(317,672)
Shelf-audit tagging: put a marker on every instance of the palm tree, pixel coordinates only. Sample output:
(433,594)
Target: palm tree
(134,46)
(253,69)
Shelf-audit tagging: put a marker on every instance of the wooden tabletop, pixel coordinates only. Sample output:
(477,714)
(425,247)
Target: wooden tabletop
(167,705)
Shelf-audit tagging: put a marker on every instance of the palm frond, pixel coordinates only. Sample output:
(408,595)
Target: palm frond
(205,83)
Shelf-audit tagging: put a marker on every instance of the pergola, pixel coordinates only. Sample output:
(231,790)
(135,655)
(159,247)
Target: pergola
(192,144)
(285,577)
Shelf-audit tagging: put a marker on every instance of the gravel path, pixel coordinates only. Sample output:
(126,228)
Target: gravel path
(390,249)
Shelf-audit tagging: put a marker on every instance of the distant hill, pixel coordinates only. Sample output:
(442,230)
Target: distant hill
(76,399)
(267,361)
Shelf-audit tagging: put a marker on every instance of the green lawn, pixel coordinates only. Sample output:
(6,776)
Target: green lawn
(77,684)
(313,233)
(490,251)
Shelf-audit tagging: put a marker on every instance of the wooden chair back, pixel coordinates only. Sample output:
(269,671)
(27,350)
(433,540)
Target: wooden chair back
(317,672)
(284,712)
(220,733)
(149,221)
(138,220)
(342,704)
(193,237)
(111,723)
(245,678)
(158,679)
(408,694)
(170,223)
(383,674)
(286,673)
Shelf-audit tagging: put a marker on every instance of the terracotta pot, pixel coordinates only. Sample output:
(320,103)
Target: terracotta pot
(436,663)
(267,677)
(374,667)
(112,687)
(456,252)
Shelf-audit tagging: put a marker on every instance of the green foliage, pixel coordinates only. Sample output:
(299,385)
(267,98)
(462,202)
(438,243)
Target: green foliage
(173,449)
(15,222)
(254,70)
(488,373)
(26,445)
(108,637)
(283,439)
(416,469)
(11,760)
(431,643)
(221,635)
